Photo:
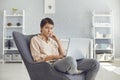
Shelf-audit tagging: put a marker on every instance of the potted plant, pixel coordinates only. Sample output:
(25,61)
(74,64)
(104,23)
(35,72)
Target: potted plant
(14,11)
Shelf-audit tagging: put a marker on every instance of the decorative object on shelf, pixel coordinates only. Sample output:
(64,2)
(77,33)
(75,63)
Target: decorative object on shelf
(49,6)
(105,57)
(99,35)
(8,56)
(104,35)
(9,36)
(14,11)
(16,56)
(18,24)
(9,24)
(103,46)
(108,35)
(9,44)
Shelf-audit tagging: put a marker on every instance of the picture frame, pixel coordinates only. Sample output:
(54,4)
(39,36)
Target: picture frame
(49,6)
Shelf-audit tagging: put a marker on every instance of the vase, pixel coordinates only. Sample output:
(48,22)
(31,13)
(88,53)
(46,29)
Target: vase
(9,44)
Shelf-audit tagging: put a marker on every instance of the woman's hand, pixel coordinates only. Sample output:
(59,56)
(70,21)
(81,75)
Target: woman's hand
(53,57)
(58,57)
(54,37)
(60,48)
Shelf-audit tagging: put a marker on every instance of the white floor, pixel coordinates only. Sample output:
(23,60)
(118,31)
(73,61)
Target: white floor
(107,72)
(13,71)
(17,71)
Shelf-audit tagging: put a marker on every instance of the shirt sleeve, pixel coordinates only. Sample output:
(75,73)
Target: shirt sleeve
(35,51)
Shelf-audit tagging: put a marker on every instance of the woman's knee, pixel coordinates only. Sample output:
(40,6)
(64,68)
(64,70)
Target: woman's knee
(65,64)
(69,58)
(70,61)
(88,64)
(95,63)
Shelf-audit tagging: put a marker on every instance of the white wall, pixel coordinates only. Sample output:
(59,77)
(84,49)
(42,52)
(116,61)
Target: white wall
(72,17)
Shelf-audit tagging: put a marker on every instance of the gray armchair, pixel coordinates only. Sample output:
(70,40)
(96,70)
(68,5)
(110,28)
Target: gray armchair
(41,70)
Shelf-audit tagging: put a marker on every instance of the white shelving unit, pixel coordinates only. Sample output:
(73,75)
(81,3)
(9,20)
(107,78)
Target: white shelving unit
(12,21)
(103,36)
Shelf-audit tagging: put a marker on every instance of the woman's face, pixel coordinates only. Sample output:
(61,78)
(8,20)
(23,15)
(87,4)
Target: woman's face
(47,30)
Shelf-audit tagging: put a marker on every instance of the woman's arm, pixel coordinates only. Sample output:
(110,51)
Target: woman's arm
(35,51)
(38,55)
(52,57)
(60,48)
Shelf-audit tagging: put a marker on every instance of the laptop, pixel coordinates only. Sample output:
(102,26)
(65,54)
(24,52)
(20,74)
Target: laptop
(78,48)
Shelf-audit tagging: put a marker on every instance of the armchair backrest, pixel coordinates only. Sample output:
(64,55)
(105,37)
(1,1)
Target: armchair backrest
(23,44)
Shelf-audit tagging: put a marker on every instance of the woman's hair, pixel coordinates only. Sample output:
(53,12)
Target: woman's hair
(45,21)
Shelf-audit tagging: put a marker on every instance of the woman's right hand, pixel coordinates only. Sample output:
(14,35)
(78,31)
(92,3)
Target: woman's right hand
(57,57)
(53,57)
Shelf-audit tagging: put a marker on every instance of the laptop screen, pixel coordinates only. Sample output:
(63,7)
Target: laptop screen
(78,48)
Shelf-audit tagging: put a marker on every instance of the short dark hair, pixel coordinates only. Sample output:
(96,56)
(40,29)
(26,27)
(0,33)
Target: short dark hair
(44,21)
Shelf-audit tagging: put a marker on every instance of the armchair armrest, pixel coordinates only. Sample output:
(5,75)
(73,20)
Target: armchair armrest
(44,71)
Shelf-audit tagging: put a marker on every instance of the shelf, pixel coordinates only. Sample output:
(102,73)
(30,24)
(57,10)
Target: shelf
(103,26)
(13,26)
(104,15)
(97,13)
(103,49)
(109,60)
(10,49)
(12,22)
(102,38)
(8,38)
(103,35)
(19,15)
(13,60)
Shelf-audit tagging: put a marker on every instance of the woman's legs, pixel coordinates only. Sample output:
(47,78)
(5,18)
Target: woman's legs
(66,65)
(89,66)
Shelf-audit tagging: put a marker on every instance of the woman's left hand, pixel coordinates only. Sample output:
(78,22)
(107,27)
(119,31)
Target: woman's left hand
(54,37)
(60,48)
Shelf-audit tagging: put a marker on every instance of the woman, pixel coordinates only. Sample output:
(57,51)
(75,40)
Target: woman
(46,47)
